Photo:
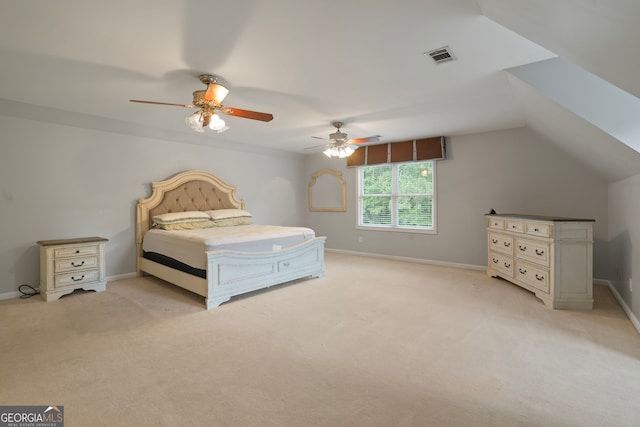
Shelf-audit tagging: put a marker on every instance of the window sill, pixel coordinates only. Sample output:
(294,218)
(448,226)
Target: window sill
(398,229)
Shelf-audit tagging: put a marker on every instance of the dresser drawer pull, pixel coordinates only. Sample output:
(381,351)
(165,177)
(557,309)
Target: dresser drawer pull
(539,252)
(539,277)
(73,264)
(522,271)
(522,248)
(495,261)
(494,241)
(506,264)
(507,244)
(77,251)
(536,229)
(77,280)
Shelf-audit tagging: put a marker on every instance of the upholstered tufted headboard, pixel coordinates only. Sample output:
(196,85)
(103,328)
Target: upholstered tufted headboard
(194,190)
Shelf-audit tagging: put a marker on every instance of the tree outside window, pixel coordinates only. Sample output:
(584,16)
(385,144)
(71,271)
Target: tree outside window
(397,196)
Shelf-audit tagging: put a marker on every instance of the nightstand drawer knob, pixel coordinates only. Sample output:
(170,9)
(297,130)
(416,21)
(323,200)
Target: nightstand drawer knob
(78,279)
(73,264)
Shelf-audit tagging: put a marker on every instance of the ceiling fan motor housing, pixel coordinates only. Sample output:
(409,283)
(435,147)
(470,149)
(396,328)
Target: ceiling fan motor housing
(338,136)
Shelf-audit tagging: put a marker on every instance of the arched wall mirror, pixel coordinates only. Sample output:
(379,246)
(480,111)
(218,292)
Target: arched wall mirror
(327,192)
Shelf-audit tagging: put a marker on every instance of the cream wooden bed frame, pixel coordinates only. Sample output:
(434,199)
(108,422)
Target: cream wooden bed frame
(229,273)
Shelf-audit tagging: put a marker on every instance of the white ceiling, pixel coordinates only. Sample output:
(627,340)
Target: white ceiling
(307,63)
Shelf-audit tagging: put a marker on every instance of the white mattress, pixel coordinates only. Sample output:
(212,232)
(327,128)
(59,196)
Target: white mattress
(189,246)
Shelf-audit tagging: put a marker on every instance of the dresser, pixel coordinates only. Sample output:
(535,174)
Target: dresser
(551,257)
(70,264)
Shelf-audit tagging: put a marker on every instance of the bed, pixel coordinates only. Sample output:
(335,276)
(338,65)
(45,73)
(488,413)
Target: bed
(226,270)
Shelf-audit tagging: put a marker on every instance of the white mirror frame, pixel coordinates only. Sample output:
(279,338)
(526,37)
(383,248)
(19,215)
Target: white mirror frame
(334,202)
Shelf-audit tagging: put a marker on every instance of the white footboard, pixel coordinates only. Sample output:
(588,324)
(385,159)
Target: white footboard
(234,273)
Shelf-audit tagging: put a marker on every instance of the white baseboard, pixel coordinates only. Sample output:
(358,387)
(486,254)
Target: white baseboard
(17,294)
(408,259)
(120,277)
(10,295)
(627,310)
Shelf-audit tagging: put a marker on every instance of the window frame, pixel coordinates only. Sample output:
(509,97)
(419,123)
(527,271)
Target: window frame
(394,196)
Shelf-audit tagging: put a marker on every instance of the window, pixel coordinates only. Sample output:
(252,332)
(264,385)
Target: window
(397,196)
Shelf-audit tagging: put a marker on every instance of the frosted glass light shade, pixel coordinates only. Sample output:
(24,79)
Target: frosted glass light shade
(195,121)
(340,151)
(216,122)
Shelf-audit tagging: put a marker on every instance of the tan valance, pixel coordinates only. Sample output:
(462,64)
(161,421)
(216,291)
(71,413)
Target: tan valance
(398,152)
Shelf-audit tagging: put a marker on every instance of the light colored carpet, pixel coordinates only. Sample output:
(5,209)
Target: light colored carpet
(373,343)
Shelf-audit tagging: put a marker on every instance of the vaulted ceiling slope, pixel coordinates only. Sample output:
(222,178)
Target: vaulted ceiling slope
(310,63)
(586,101)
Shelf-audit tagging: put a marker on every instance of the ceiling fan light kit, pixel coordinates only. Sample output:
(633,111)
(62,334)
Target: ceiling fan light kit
(340,145)
(340,150)
(209,103)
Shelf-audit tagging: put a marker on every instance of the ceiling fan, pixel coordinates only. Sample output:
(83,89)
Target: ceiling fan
(340,145)
(209,102)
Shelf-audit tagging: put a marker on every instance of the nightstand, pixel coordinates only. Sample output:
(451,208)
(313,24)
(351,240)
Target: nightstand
(70,264)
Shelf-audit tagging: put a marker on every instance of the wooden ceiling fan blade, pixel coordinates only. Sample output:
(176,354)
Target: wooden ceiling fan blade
(215,92)
(375,138)
(247,114)
(317,146)
(163,103)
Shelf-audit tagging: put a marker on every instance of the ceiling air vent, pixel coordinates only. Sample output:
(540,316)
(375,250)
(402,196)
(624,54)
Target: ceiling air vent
(443,54)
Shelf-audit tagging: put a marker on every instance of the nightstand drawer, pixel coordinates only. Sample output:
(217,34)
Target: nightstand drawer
(75,279)
(71,264)
(75,251)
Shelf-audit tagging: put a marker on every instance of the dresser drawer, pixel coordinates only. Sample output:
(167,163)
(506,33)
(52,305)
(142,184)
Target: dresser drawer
(75,251)
(71,264)
(501,263)
(537,252)
(541,229)
(533,276)
(501,242)
(496,223)
(516,226)
(76,278)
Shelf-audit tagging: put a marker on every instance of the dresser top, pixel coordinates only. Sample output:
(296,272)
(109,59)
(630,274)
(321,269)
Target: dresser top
(541,218)
(71,241)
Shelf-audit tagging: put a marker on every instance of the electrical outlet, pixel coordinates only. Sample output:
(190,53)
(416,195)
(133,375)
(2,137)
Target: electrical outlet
(360,239)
